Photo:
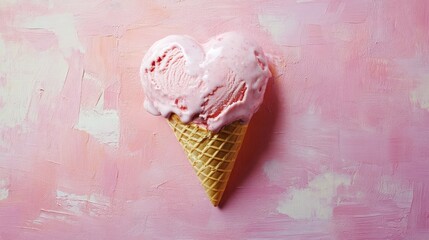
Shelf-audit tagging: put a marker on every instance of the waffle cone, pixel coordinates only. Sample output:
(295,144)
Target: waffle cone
(212,155)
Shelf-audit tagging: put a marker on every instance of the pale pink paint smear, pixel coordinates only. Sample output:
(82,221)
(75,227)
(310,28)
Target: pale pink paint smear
(338,150)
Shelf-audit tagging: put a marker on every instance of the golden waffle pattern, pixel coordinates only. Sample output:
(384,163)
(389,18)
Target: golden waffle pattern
(211,154)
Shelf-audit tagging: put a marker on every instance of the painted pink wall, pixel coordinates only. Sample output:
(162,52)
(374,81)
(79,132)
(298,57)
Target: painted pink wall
(339,150)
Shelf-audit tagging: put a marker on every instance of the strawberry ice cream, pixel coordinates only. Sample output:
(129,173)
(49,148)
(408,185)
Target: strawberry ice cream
(211,84)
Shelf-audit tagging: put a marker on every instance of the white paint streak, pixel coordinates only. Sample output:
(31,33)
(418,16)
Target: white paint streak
(23,69)
(273,170)
(101,124)
(4,190)
(420,95)
(278,26)
(94,204)
(62,25)
(4,193)
(45,216)
(6,3)
(316,200)
(72,202)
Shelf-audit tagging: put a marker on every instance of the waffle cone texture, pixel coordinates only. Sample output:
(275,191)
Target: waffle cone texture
(212,155)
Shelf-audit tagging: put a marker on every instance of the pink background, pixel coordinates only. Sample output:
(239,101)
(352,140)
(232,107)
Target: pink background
(339,149)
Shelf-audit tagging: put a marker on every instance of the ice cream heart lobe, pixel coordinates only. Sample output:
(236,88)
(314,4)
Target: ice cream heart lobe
(211,84)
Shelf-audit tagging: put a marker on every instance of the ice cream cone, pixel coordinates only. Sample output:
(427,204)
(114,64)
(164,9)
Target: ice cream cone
(212,155)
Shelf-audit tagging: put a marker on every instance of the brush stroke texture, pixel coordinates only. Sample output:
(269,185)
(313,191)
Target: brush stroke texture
(338,150)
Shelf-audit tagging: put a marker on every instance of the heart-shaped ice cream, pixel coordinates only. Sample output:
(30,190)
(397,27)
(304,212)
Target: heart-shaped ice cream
(212,84)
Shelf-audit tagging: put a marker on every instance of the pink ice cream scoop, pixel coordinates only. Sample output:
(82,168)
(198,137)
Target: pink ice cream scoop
(211,84)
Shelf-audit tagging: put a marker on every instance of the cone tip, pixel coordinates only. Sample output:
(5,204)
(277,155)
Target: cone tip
(215,202)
